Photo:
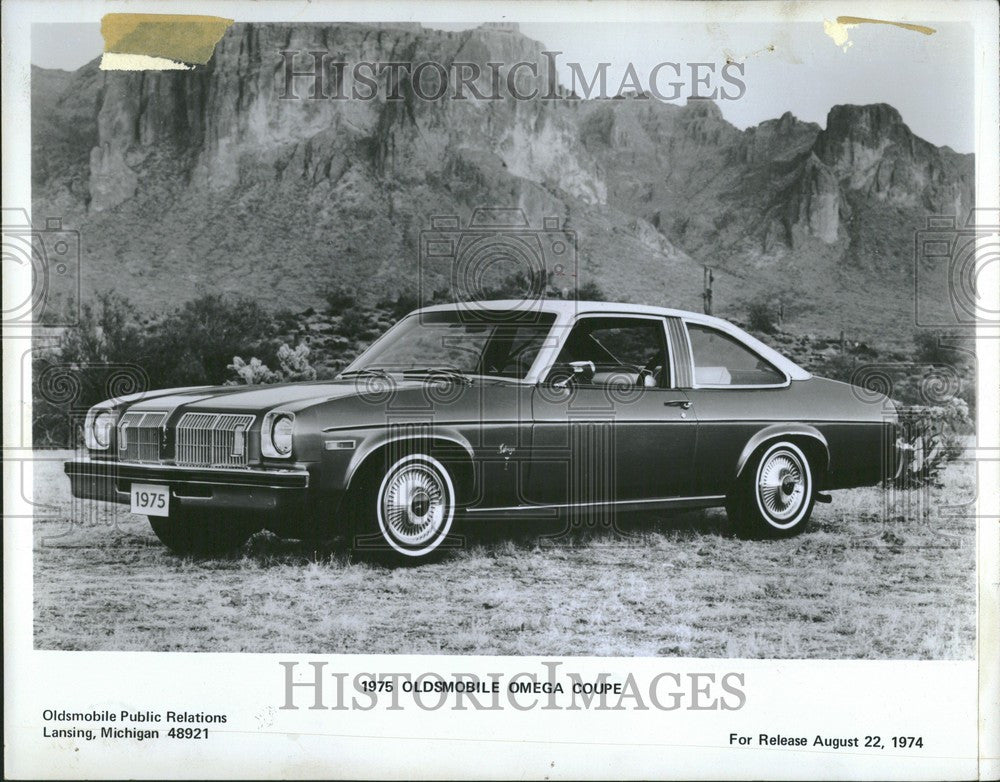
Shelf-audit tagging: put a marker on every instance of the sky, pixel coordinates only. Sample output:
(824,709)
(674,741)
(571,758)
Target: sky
(793,67)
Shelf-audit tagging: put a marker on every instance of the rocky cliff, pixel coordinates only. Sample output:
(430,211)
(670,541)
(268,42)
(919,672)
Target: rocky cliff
(184,181)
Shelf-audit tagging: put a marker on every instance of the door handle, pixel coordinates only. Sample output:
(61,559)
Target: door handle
(683,404)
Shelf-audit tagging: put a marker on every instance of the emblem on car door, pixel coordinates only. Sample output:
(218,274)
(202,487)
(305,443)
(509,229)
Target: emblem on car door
(506,451)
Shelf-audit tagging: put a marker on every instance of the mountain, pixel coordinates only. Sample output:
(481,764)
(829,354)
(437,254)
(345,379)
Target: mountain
(181,182)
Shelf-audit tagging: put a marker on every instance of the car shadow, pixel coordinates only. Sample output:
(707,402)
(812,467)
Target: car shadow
(504,536)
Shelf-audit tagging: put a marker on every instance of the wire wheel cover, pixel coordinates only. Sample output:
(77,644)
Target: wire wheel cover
(414,504)
(781,485)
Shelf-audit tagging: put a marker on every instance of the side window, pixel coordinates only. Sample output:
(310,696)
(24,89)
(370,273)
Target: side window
(722,360)
(513,349)
(629,351)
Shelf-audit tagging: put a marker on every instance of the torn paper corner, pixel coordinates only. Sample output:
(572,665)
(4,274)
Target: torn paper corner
(113,61)
(839,32)
(181,39)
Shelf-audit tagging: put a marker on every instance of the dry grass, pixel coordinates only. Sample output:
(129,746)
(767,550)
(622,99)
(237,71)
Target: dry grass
(861,583)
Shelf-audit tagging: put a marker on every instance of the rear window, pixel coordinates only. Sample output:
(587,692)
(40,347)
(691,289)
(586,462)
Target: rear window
(722,360)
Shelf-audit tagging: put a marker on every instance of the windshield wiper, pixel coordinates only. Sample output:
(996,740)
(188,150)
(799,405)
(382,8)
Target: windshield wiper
(439,373)
(366,372)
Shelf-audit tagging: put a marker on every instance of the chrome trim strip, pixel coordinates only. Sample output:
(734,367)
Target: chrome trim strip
(670,500)
(437,425)
(110,463)
(679,370)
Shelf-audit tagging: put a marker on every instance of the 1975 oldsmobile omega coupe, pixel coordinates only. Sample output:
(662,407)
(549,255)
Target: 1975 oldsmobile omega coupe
(486,410)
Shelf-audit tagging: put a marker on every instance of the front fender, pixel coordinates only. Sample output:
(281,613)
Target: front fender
(777,431)
(374,440)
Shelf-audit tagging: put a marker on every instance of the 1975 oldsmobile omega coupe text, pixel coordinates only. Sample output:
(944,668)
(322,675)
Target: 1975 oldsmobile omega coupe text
(486,410)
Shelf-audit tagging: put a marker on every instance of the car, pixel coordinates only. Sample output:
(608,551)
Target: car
(483,411)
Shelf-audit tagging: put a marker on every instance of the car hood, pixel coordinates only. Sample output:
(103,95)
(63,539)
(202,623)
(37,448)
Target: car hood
(291,396)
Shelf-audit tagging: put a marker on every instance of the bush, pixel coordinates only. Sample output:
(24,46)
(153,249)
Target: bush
(339,299)
(293,366)
(109,353)
(107,333)
(196,343)
(935,347)
(760,317)
(930,437)
(399,307)
(251,373)
(356,324)
(100,356)
(590,291)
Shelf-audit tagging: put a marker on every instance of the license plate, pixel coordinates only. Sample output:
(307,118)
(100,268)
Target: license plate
(150,499)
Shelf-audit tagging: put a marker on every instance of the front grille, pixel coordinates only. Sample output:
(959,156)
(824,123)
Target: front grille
(139,436)
(212,440)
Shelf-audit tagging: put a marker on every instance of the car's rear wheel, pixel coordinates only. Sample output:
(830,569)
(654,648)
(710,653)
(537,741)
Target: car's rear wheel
(774,495)
(402,514)
(200,531)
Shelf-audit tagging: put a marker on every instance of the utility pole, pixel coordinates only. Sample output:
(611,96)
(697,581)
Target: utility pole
(707,279)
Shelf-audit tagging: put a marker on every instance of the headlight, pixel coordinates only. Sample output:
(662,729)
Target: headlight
(276,434)
(97,429)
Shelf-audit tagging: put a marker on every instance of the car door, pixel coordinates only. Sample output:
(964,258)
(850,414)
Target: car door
(622,433)
(735,391)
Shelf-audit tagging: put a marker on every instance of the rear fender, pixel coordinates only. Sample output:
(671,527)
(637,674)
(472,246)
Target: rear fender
(780,432)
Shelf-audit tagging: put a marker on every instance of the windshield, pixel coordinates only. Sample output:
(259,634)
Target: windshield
(498,344)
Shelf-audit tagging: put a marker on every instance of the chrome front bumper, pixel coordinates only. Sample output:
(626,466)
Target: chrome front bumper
(242,489)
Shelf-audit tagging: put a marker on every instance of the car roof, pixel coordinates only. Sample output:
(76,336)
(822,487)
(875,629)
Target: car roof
(566,309)
(571,307)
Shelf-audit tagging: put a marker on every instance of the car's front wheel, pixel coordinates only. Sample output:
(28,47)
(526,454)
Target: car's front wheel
(403,513)
(190,531)
(774,495)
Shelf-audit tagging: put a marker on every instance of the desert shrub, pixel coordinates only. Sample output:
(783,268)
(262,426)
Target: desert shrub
(251,373)
(356,324)
(196,343)
(288,322)
(293,365)
(338,299)
(101,355)
(761,317)
(936,347)
(399,307)
(839,366)
(590,291)
(541,285)
(108,331)
(930,436)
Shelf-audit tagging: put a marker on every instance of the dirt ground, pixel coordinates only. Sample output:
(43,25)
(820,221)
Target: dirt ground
(877,575)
